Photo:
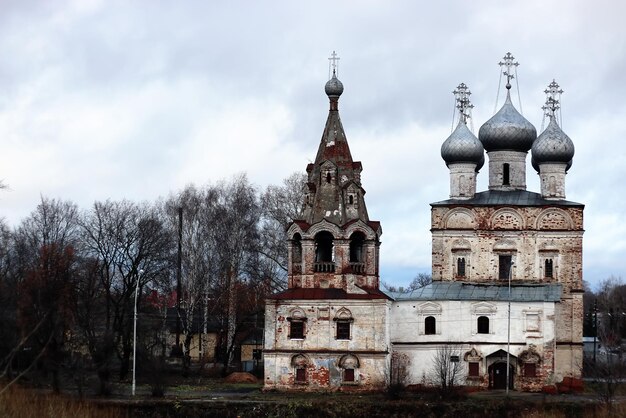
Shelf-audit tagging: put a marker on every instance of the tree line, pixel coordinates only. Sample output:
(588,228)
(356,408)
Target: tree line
(69,276)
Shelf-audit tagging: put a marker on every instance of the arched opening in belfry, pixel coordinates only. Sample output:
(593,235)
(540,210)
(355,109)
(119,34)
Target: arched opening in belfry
(357,252)
(357,240)
(296,253)
(324,252)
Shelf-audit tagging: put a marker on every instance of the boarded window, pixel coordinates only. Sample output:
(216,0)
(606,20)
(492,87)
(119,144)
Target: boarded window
(343,330)
(532,322)
(348,375)
(483,325)
(530,369)
(296,329)
(301,375)
(504,267)
(473,369)
(430,327)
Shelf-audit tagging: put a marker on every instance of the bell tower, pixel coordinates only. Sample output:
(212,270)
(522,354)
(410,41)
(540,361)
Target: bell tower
(335,245)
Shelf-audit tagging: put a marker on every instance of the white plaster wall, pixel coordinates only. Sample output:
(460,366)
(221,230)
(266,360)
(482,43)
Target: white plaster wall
(457,324)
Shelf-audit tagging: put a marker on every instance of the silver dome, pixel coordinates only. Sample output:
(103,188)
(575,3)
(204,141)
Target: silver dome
(462,146)
(507,130)
(553,145)
(334,87)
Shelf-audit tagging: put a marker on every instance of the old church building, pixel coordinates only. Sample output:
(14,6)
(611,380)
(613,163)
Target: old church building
(505,304)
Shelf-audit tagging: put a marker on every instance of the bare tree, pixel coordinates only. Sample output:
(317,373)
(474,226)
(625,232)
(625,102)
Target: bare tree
(419,281)
(127,239)
(198,258)
(446,369)
(281,205)
(46,244)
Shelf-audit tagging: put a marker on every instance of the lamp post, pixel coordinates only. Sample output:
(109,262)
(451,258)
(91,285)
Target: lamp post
(135,332)
(508,334)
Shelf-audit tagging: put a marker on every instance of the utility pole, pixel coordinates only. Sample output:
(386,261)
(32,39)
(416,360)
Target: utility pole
(508,334)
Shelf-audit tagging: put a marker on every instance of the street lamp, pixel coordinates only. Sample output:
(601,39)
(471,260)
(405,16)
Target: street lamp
(135,332)
(508,333)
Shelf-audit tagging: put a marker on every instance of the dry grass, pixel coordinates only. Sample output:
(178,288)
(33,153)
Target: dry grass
(18,402)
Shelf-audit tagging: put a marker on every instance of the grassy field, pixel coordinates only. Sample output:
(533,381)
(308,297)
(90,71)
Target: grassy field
(214,398)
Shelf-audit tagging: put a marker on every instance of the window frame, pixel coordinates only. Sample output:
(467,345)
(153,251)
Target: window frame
(505,266)
(300,375)
(342,326)
(481,321)
(530,369)
(473,365)
(302,330)
(430,327)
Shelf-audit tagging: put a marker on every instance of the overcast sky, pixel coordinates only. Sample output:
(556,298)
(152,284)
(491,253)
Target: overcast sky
(112,99)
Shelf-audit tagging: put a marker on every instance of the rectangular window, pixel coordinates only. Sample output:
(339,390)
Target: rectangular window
(460,267)
(301,375)
(473,369)
(296,329)
(530,369)
(343,330)
(504,267)
(348,375)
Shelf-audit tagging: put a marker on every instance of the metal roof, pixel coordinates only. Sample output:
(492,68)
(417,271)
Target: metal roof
(507,198)
(483,292)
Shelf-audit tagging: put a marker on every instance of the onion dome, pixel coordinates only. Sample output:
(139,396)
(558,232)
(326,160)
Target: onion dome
(507,130)
(334,87)
(553,145)
(462,146)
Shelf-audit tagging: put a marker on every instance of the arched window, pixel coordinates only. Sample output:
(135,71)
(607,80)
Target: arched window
(351,199)
(460,267)
(430,327)
(344,320)
(297,322)
(505,174)
(548,270)
(483,325)
(329,177)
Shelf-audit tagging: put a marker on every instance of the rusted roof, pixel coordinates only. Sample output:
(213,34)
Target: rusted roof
(506,198)
(330,293)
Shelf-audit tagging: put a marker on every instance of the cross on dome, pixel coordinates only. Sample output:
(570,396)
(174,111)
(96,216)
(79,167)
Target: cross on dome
(553,99)
(508,62)
(461,95)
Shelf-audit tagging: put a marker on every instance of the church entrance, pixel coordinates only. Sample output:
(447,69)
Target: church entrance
(497,376)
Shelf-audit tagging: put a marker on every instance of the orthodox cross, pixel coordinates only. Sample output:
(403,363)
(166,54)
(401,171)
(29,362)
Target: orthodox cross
(461,95)
(333,62)
(553,99)
(508,62)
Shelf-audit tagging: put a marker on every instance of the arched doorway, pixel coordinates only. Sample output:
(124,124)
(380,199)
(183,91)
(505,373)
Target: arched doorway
(497,376)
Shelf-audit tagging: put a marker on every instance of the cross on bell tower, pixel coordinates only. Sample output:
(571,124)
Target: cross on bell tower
(333,64)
